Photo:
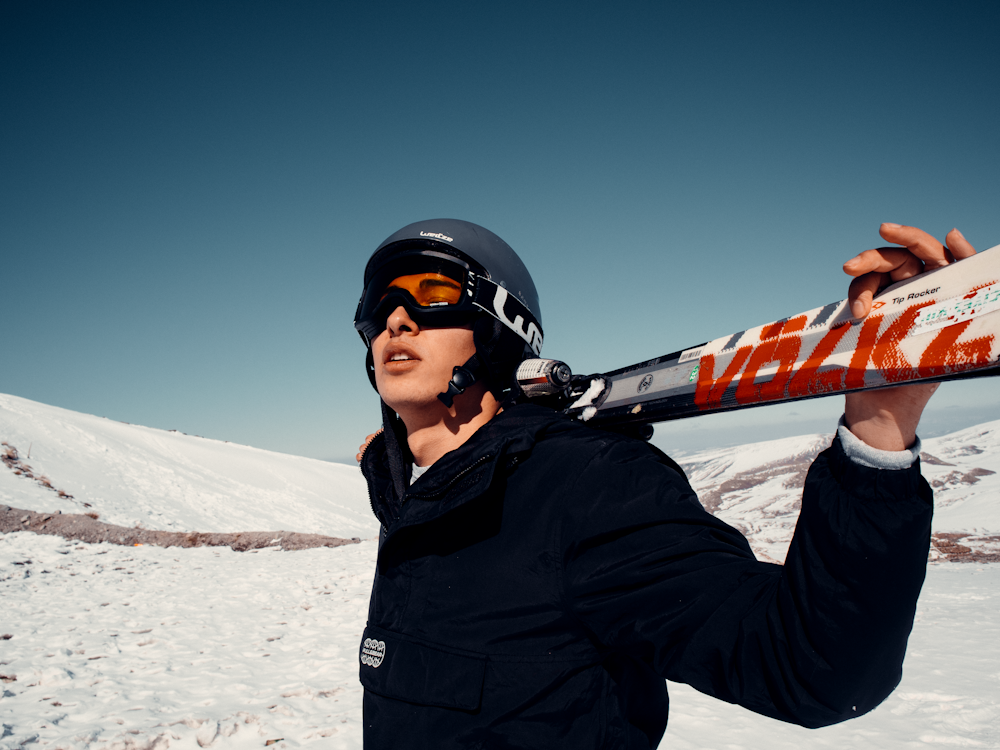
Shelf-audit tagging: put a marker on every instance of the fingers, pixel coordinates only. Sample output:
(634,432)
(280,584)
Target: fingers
(959,246)
(876,268)
(862,290)
(899,263)
(364,446)
(918,242)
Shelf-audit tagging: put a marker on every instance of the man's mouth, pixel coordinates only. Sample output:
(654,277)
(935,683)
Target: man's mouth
(397,353)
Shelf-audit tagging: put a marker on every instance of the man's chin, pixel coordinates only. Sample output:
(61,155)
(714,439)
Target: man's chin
(407,400)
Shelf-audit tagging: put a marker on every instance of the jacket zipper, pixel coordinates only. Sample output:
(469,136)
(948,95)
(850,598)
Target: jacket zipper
(371,497)
(371,502)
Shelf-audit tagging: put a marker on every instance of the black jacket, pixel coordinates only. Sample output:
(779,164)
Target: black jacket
(536,585)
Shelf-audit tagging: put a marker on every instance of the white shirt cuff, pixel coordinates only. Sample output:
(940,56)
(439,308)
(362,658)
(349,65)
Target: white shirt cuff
(862,453)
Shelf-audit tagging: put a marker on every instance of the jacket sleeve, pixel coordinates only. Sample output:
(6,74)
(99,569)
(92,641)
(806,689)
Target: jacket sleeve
(816,641)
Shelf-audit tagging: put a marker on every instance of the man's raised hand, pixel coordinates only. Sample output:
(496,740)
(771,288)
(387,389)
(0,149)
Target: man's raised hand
(887,418)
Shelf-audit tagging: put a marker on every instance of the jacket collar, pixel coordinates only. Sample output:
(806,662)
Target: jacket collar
(460,475)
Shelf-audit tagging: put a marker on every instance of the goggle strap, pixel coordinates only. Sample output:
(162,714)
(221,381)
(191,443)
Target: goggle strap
(496,301)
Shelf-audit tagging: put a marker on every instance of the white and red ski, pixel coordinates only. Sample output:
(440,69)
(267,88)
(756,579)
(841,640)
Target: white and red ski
(940,325)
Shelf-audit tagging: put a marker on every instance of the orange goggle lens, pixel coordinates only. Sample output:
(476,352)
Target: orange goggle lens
(428,289)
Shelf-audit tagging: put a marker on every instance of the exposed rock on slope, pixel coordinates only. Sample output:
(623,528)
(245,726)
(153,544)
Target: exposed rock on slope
(84,528)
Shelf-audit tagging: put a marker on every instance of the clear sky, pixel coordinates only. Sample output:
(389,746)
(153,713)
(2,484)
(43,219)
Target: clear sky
(189,191)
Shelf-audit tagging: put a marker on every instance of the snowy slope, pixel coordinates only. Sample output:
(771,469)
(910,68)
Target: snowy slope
(757,487)
(964,470)
(171,481)
(167,480)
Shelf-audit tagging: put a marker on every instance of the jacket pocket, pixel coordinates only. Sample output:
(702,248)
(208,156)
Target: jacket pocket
(395,666)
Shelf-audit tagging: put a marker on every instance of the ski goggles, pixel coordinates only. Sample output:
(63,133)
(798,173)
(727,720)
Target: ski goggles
(428,289)
(439,290)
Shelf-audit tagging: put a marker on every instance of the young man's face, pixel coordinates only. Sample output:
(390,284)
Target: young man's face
(413,364)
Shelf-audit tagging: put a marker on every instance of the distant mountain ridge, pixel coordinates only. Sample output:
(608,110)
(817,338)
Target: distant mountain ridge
(757,488)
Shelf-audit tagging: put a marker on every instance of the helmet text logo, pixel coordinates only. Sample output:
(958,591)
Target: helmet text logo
(437,236)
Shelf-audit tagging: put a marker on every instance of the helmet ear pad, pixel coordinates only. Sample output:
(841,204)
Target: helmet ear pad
(500,351)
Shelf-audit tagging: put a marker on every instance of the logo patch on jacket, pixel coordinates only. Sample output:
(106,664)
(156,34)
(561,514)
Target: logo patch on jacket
(372,652)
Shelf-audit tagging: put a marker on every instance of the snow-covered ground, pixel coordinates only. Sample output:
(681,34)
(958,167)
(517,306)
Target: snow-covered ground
(125,648)
(136,648)
(146,647)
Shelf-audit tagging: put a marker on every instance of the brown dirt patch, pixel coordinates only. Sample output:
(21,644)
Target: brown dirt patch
(927,458)
(957,477)
(961,547)
(83,528)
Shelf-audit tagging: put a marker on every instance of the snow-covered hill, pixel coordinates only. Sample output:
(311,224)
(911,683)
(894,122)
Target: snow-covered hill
(167,480)
(964,470)
(171,481)
(757,487)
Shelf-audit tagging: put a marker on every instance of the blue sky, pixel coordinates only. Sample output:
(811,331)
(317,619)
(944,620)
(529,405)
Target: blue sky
(189,191)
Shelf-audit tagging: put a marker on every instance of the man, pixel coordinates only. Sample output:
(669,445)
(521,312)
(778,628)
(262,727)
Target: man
(538,579)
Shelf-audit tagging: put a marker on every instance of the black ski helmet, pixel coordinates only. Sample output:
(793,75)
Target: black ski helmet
(498,295)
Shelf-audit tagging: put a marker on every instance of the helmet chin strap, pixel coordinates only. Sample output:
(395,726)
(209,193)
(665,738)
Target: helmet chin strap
(462,377)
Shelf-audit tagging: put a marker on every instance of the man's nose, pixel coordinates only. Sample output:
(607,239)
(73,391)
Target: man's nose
(399,321)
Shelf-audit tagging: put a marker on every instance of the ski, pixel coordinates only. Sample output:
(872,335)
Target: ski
(941,325)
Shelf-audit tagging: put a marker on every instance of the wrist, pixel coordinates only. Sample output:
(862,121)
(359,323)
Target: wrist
(887,418)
